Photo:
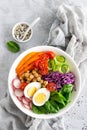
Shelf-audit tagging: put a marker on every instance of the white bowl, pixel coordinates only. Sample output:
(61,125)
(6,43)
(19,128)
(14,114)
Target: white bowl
(13,30)
(74,69)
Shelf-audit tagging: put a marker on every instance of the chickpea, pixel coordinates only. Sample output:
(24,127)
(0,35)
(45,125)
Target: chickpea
(38,78)
(33,71)
(44,86)
(41,81)
(27,71)
(39,75)
(31,76)
(34,80)
(36,74)
(23,75)
(22,80)
(27,81)
(45,83)
(26,74)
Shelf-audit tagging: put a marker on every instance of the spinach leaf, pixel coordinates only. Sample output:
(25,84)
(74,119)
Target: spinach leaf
(35,109)
(67,88)
(43,109)
(67,96)
(61,105)
(55,104)
(58,97)
(66,91)
(50,108)
(13,46)
(39,110)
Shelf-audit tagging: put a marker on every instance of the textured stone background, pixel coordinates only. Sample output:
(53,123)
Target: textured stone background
(13,11)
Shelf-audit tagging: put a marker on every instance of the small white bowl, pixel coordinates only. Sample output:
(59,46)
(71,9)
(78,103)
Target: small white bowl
(13,30)
(73,67)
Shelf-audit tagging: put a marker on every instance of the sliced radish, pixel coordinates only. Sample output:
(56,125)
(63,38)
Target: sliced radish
(13,88)
(24,101)
(27,106)
(18,93)
(19,98)
(16,83)
(28,99)
(30,105)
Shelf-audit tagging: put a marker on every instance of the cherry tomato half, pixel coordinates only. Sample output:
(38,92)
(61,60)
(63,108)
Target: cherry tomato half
(50,54)
(51,86)
(23,85)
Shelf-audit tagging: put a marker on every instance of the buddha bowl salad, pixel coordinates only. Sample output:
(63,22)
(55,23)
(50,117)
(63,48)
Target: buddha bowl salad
(44,82)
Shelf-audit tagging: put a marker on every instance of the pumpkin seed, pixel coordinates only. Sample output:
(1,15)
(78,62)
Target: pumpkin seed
(13,46)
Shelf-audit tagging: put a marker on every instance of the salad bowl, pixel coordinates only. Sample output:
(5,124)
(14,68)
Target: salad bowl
(33,113)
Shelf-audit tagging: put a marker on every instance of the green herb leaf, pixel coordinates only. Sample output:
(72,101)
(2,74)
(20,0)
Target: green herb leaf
(66,91)
(13,46)
(67,96)
(50,108)
(35,109)
(67,88)
(58,97)
(55,104)
(39,110)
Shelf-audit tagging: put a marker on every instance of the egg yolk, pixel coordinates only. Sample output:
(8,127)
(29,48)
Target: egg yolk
(31,91)
(40,98)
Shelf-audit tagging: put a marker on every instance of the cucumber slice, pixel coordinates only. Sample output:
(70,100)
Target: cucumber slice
(60,59)
(64,68)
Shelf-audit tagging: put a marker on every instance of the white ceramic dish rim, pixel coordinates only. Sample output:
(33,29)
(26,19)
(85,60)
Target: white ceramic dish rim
(18,104)
(16,26)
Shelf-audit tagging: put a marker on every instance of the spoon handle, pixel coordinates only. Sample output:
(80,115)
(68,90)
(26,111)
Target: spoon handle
(33,23)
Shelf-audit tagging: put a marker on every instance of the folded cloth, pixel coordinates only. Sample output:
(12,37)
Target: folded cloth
(67,32)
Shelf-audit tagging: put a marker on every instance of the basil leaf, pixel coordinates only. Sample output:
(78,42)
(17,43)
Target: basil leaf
(13,46)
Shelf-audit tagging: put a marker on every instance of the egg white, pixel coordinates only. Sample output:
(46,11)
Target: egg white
(44,91)
(29,86)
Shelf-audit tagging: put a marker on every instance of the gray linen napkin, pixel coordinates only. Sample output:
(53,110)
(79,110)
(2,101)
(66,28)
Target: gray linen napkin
(67,32)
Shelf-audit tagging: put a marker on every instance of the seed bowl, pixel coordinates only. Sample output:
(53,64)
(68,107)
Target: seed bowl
(18,32)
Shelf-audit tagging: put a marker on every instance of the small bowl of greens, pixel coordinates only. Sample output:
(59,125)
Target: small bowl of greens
(44,82)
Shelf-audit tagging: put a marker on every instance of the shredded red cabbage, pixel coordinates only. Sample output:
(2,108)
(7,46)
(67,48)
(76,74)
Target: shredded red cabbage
(60,79)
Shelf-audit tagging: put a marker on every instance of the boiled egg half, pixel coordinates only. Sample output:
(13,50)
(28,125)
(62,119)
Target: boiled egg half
(41,96)
(31,88)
